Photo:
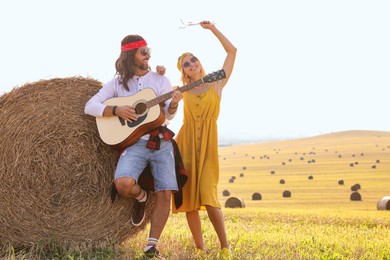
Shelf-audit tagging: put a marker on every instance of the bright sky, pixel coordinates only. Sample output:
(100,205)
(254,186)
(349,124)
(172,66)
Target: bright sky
(303,68)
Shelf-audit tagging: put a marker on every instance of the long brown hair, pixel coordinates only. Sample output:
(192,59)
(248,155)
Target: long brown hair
(124,65)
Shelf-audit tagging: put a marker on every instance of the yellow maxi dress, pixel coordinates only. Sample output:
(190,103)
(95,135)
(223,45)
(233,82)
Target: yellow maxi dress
(198,144)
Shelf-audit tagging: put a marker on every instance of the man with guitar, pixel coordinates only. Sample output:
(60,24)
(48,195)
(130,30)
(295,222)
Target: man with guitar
(120,110)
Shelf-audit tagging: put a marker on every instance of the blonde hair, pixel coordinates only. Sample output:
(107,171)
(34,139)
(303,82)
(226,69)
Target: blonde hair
(184,78)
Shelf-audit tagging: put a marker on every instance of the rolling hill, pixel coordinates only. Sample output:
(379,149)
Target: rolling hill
(318,171)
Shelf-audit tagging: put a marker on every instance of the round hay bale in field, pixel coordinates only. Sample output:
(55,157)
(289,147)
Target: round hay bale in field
(310,177)
(226,193)
(282,181)
(286,194)
(55,172)
(256,196)
(355,196)
(384,203)
(241,175)
(354,188)
(234,202)
(272,172)
(373,166)
(341,182)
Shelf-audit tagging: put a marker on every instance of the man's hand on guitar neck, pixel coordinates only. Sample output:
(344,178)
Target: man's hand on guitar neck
(176,97)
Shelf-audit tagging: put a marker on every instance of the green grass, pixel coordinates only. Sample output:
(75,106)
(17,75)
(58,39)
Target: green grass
(319,221)
(266,234)
(284,234)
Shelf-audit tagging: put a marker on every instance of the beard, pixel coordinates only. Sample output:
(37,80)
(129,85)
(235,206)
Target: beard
(142,65)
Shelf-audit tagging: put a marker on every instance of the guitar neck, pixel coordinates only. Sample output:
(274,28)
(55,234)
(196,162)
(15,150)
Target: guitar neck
(168,95)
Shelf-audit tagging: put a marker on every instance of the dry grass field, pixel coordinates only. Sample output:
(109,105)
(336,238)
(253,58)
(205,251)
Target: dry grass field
(318,221)
(311,169)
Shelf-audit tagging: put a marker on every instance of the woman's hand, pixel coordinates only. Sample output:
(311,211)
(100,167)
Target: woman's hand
(160,70)
(207,25)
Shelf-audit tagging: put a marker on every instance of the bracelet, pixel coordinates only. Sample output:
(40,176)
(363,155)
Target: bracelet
(173,107)
(113,110)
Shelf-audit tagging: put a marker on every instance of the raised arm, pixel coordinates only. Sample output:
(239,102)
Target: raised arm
(229,48)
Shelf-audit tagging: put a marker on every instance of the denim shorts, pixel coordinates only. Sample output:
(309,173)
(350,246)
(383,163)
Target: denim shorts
(135,158)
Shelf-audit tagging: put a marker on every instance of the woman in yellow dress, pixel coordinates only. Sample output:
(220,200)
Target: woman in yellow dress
(198,142)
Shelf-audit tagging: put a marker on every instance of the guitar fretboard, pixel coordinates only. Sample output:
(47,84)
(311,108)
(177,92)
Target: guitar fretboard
(168,95)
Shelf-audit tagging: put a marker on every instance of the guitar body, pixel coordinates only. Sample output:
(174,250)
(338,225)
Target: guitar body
(119,133)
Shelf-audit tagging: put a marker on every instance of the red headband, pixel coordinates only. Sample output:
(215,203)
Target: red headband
(133,45)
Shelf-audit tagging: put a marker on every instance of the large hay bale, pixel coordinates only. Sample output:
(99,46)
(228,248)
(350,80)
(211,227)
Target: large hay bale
(384,203)
(55,172)
(234,202)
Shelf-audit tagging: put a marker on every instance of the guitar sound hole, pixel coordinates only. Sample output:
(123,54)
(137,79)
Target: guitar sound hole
(140,108)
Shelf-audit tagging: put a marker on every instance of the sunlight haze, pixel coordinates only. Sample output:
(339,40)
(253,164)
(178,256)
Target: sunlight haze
(303,68)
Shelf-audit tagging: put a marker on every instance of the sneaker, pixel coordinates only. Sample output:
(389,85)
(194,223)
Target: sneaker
(138,212)
(225,254)
(153,253)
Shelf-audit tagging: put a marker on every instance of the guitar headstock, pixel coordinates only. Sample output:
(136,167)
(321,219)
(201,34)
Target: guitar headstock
(214,76)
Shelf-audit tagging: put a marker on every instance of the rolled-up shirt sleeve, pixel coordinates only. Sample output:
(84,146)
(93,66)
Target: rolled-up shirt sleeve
(95,106)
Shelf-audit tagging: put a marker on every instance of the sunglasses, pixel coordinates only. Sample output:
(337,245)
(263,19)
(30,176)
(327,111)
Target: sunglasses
(146,51)
(187,63)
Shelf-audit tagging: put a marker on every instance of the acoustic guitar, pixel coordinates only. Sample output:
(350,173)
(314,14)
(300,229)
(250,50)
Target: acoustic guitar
(116,131)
